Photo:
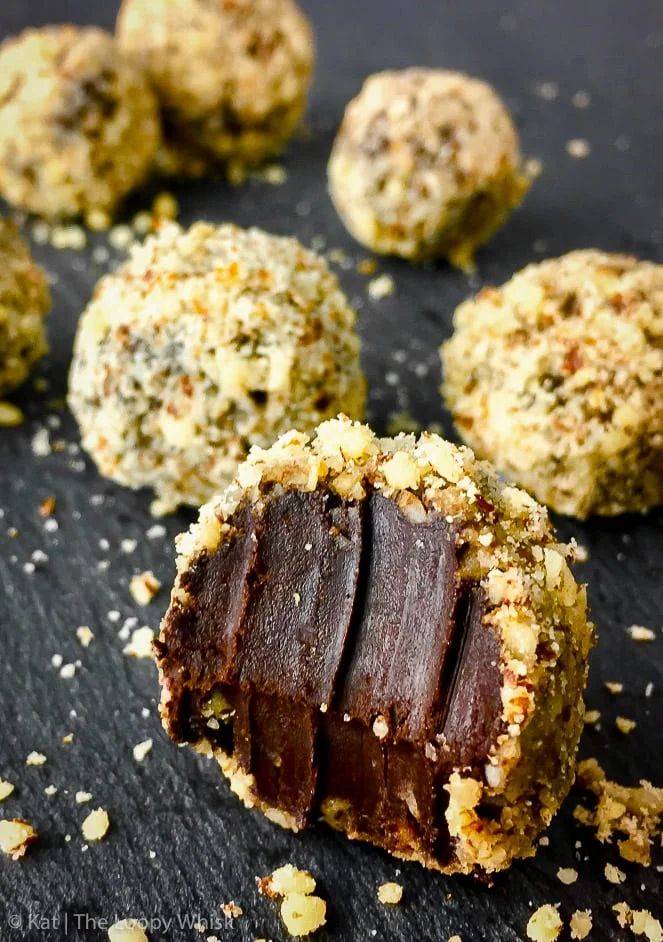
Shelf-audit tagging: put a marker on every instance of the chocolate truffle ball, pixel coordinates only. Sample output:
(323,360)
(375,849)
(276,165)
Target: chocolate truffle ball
(232,77)
(24,302)
(79,125)
(557,377)
(426,164)
(384,634)
(204,343)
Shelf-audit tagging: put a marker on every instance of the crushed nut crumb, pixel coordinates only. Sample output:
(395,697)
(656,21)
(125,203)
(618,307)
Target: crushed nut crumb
(390,894)
(143,587)
(16,835)
(95,826)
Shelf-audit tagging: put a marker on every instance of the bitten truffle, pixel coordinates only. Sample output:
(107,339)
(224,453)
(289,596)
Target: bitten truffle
(79,125)
(205,342)
(384,634)
(557,377)
(24,302)
(426,164)
(232,77)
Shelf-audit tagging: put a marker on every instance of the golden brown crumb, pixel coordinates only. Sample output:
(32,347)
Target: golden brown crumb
(634,812)
(390,894)
(16,835)
(614,687)
(47,507)
(625,725)
(367,266)
(143,587)
(231,910)
(545,924)
(95,827)
(580,924)
(592,717)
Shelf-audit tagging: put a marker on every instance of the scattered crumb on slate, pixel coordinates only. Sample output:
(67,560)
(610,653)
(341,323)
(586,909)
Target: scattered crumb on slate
(580,923)
(141,749)
(85,635)
(140,645)
(127,930)
(16,835)
(614,874)
(632,812)
(578,147)
(231,910)
(640,633)
(301,912)
(625,725)
(83,797)
(6,789)
(614,687)
(35,758)
(10,415)
(381,287)
(639,921)
(47,507)
(390,894)
(143,587)
(545,924)
(592,717)
(95,826)
(567,875)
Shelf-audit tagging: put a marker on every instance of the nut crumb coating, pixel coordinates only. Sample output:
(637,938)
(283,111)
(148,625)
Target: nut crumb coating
(79,125)
(436,635)
(557,377)
(426,164)
(204,342)
(24,302)
(232,78)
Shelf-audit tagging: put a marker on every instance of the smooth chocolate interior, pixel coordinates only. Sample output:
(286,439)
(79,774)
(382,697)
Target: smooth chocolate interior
(317,618)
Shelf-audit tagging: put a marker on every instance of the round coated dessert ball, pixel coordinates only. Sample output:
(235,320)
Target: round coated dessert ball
(204,343)
(24,302)
(426,164)
(557,377)
(79,124)
(232,75)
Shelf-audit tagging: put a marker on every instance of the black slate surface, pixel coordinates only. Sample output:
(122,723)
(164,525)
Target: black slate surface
(180,843)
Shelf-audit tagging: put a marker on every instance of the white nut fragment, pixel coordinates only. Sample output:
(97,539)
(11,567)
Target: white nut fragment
(140,645)
(303,915)
(144,587)
(96,825)
(6,789)
(390,894)
(288,879)
(127,930)
(141,749)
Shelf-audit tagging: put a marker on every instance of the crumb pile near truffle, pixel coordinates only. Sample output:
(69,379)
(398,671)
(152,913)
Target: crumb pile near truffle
(24,302)
(290,652)
(205,342)
(557,377)
(426,164)
(79,124)
(232,78)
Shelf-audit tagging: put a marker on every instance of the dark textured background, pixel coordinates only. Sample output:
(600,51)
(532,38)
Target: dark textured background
(207,849)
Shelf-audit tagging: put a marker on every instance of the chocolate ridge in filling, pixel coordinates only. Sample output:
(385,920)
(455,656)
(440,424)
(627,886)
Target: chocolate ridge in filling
(330,646)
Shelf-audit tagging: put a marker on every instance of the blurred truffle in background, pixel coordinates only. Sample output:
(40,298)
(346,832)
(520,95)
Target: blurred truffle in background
(232,76)
(426,164)
(79,124)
